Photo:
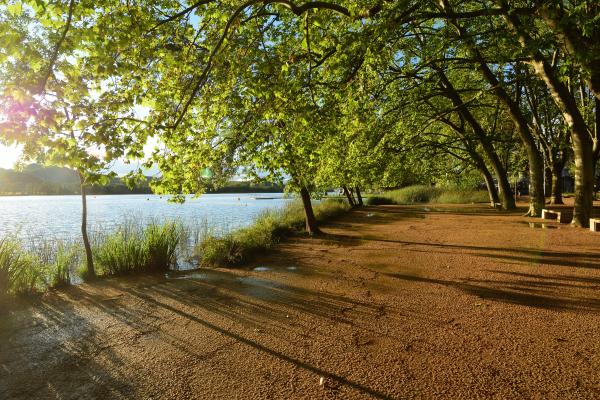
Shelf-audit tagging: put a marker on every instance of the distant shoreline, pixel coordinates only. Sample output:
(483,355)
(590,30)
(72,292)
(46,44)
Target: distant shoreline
(130,194)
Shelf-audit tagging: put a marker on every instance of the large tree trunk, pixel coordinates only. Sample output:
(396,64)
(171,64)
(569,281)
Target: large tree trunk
(359,197)
(487,176)
(581,140)
(311,222)
(91,272)
(491,187)
(349,196)
(536,163)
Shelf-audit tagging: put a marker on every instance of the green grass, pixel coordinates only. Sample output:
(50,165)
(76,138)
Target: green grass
(19,272)
(133,248)
(45,263)
(56,260)
(429,194)
(268,229)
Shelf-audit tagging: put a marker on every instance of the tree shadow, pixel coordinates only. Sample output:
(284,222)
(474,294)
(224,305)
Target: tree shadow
(522,255)
(521,292)
(44,353)
(246,300)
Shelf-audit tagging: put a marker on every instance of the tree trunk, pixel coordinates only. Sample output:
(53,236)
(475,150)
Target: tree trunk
(507,200)
(549,182)
(311,222)
(359,197)
(91,273)
(491,186)
(536,168)
(556,197)
(348,196)
(581,141)
(584,183)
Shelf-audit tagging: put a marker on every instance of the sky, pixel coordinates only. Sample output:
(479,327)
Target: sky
(9,155)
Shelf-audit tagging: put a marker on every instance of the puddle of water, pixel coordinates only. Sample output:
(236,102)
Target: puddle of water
(261,269)
(292,268)
(206,276)
(538,225)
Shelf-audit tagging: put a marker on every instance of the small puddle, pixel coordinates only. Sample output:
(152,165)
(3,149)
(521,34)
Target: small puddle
(206,276)
(292,268)
(261,269)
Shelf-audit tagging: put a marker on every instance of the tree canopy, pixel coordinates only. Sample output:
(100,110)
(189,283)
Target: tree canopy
(368,94)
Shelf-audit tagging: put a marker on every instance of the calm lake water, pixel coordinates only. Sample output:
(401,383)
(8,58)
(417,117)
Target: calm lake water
(59,217)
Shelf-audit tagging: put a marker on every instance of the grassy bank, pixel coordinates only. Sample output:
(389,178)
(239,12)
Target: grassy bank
(34,268)
(268,229)
(429,194)
(131,247)
(38,265)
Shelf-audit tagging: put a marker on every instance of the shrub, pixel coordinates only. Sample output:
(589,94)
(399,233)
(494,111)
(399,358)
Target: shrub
(463,197)
(269,228)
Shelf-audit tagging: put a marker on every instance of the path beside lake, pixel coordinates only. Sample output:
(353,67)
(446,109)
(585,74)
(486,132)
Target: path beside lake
(429,302)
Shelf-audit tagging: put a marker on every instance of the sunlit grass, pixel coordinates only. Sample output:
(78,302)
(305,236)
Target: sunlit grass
(268,229)
(429,194)
(136,248)
(20,271)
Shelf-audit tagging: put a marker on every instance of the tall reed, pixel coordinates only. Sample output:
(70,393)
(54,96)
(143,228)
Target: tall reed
(134,248)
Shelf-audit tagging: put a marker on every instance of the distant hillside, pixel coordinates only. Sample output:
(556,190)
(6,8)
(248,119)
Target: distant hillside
(40,180)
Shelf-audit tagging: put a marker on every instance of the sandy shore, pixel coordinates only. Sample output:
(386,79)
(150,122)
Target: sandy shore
(430,302)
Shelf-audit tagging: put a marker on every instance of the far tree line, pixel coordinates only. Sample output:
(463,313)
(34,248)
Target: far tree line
(34,179)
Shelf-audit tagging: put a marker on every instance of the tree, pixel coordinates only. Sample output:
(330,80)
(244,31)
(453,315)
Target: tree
(56,101)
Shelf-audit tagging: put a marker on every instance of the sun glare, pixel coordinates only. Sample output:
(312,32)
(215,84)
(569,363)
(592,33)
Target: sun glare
(9,155)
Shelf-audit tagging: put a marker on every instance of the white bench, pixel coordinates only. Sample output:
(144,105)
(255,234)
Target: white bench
(557,215)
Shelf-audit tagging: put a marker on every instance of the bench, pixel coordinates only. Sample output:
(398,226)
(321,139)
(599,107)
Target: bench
(557,215)
(594,225)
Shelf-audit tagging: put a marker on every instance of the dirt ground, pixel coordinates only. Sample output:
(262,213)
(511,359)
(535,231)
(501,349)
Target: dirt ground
(429,302)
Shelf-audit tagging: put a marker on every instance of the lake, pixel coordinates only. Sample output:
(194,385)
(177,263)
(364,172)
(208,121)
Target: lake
(59,217)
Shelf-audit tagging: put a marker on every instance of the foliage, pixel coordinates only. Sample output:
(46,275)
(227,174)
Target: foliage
(267,230)
(360,93)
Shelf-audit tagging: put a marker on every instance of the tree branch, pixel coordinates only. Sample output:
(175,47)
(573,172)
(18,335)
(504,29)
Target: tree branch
(56,51)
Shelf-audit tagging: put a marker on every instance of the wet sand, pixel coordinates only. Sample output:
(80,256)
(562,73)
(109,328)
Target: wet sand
(430,302)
